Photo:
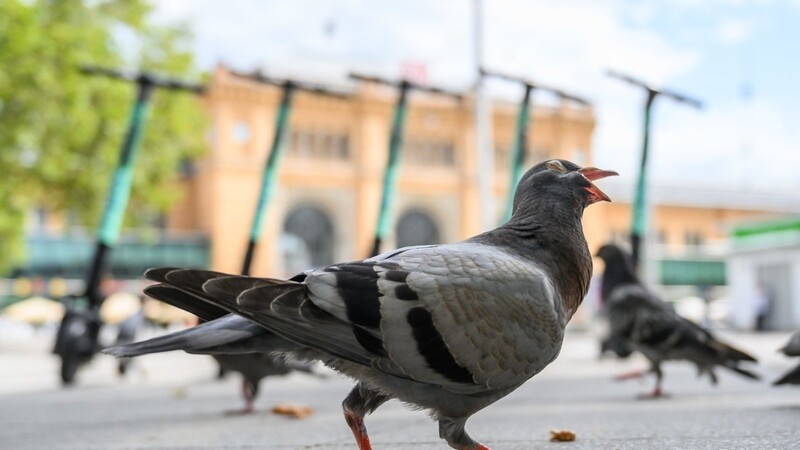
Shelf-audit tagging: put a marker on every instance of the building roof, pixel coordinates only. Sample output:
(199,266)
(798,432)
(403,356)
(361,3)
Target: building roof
(660,194)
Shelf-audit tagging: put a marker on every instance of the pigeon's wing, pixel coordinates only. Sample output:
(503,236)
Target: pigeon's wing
(470,313)
(648,324)
(467,317)
(186,301)
(627,307)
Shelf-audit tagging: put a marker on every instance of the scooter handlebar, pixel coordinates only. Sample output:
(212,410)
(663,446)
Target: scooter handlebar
(143,78)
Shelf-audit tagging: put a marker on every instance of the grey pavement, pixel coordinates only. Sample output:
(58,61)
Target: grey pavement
(172,401)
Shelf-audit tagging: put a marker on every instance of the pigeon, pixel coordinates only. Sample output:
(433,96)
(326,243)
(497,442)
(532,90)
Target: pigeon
(253,366)
(651,326)
(792,348)
(446,328)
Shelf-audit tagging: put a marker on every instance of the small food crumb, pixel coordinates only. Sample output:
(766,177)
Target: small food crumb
(293,410)
(180,392)
(562,435)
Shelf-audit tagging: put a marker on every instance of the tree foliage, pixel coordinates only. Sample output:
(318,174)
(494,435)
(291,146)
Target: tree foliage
(61,131)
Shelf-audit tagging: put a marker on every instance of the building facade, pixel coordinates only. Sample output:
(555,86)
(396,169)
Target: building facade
(331,177)
(330,181)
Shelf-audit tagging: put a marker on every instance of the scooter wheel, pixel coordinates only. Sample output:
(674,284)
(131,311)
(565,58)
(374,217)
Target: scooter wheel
(70,360)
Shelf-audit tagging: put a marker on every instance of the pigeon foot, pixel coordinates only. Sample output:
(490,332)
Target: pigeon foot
(356,424)
(632,375)
(477,446)
(656,394)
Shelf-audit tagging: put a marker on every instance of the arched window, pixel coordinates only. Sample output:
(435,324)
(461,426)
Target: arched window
(417,227)
(307,239)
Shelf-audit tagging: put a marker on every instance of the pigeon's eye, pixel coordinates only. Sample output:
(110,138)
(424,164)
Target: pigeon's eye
(556,165)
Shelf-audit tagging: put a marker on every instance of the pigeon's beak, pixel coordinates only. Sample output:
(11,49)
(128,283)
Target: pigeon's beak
(591,174)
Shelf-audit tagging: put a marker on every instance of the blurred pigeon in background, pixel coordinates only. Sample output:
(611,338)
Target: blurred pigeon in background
(253,366)
(651,326)
(447,328)
(792,348)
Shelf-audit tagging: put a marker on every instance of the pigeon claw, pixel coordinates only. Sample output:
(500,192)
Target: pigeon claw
(249,394)
(655,395)
(240,412)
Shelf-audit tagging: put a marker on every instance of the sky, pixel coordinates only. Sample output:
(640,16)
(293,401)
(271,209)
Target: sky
(740,58)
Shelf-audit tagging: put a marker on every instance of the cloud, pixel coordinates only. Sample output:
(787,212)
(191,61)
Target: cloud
(541,38)
(566,44)
(736,145)
(734,31)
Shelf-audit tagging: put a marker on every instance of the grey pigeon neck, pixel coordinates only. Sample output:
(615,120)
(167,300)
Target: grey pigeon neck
(554,241)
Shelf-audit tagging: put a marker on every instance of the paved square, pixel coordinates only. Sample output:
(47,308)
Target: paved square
(172,401)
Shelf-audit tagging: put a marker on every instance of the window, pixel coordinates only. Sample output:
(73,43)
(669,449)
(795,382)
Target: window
(772,296)
(619,236)
(37,221)
(416,227)
(693,238)
(537,155)
(579,156)
(429,152)
(502,156)
(319,144)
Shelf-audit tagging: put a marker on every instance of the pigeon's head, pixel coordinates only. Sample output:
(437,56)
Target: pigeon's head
(562,181)
(618,268)
(611,253)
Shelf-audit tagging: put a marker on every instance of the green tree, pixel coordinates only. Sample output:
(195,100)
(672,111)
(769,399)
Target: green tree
(60,130)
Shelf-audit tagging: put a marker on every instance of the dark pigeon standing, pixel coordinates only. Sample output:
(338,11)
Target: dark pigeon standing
(792,348)
(447,328)
(254,367)
(651,326)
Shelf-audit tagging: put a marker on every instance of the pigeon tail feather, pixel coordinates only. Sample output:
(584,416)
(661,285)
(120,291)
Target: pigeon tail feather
(735,367)
(210,334)
(735,354)
(791,377)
